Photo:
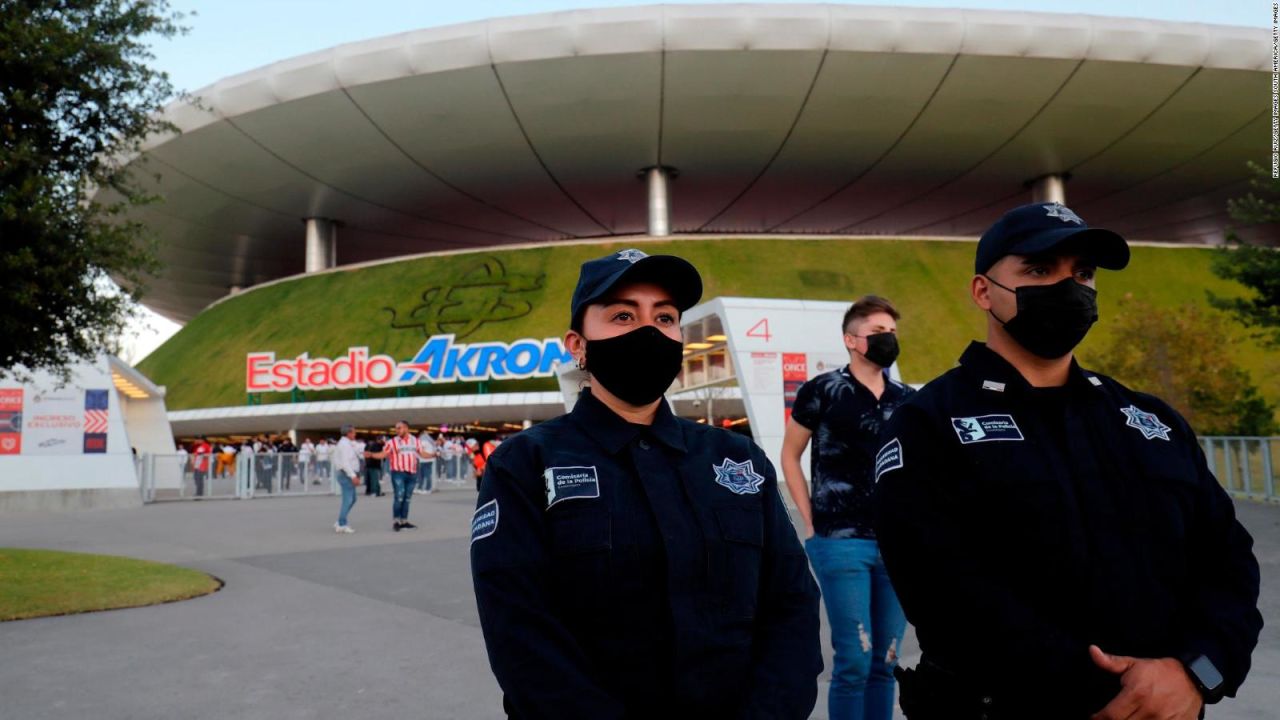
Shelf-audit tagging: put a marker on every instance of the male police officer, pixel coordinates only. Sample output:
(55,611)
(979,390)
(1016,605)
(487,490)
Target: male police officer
(1055,537)
(631,564)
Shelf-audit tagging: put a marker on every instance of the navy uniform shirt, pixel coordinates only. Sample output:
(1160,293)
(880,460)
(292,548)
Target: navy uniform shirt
(1020,525)
(845,419)
(630,571)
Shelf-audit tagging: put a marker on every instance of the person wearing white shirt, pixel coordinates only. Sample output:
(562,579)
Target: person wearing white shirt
(306,452)
(226,459)
(347,460)
(323,450)
(426,468)
(452,449)
(245,468)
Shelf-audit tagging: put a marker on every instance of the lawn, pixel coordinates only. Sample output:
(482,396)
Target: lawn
(39,583)
(204,364)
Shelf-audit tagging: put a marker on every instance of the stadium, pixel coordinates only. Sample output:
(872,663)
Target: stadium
(356,205)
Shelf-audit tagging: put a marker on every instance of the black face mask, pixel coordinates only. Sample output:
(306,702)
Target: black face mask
(1051,319)
(637,367)
(882,348)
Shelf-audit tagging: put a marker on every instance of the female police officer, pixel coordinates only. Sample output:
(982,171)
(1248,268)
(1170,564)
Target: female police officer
(631,564)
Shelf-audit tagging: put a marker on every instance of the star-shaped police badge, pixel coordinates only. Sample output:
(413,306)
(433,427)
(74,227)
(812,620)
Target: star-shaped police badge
(631,255)
(740,478)
(1146,423)
(1063,213)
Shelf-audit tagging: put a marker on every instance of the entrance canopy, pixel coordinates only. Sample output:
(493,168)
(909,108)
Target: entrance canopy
(780,119)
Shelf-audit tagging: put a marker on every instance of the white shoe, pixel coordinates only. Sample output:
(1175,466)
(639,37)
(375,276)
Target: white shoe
(337,528)
(347,529)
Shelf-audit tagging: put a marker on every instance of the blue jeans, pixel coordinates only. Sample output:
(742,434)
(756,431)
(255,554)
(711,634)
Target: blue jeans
(867,625)
(348,496)
(426,477)
(402,483)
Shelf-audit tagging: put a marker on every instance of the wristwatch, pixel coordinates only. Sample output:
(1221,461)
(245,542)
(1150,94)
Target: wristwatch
(1205,675)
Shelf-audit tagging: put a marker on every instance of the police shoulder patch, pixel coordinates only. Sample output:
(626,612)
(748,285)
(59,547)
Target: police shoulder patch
(567,483)
(889,458)
(1146,423)
(485,521)
(985,428)
(739,477)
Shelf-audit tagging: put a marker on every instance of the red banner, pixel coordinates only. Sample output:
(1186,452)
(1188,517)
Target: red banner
(795,371)
(10,421)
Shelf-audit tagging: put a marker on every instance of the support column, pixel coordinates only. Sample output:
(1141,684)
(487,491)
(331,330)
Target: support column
(1049,188)
(658,182)
(322,244)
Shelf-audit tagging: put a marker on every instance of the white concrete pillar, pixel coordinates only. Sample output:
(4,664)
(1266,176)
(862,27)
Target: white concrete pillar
(1049,188)
(658,182)
(322,244)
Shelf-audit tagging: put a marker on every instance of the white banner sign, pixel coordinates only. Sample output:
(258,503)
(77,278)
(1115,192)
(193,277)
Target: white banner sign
(53,423)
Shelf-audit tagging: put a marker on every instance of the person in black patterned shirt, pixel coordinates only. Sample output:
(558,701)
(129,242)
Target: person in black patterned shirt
(841,413)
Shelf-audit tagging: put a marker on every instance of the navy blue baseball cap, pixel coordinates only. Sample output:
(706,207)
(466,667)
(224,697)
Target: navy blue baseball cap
(1043,227)
(599,276)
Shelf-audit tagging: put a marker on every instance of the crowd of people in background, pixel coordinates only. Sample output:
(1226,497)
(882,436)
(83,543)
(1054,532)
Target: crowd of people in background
(275,463)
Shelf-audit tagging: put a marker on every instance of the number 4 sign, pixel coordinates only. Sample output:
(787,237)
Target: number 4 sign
(760,330)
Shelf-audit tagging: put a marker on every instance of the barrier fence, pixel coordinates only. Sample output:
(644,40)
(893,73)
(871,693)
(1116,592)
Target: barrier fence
(243,476)
(1244,465)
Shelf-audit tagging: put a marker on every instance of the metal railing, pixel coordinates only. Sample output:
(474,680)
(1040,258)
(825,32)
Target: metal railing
(243,476)
(1245,466)
(240,476)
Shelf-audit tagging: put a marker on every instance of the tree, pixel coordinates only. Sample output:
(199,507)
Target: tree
(76,100)
(1251,265)
(1184,356)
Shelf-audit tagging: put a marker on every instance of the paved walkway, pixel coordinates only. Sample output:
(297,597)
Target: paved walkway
(316,625)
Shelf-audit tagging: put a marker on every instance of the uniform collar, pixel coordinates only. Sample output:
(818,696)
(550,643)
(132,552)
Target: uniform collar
(613,433)
(994,373)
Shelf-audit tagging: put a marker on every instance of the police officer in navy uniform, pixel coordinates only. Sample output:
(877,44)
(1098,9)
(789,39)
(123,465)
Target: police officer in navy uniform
(1055,537)
(631,564)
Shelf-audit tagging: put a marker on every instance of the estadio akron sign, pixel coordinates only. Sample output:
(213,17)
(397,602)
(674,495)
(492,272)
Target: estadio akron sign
(439,360)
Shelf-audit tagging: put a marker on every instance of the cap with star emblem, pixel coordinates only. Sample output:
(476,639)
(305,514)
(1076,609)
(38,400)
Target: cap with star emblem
(1045,227)
(598,276)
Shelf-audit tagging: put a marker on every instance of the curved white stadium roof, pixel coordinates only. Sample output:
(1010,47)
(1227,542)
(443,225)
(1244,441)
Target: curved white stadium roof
(779,119)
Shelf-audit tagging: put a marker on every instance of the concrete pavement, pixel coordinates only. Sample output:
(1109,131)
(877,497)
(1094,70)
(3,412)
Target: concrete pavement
(317,625)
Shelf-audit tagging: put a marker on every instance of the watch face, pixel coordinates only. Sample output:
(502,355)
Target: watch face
(1205,671)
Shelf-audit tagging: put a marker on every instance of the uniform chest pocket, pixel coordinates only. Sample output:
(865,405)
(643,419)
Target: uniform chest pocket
(580,534)
(741,525)
(1171,496)
(581,567)
(735,559)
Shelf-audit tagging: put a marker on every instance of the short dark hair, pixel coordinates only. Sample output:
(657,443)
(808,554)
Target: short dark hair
(866,306)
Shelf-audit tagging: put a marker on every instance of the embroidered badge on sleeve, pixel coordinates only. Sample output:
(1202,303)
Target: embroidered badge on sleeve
(889,458)
(485,521)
